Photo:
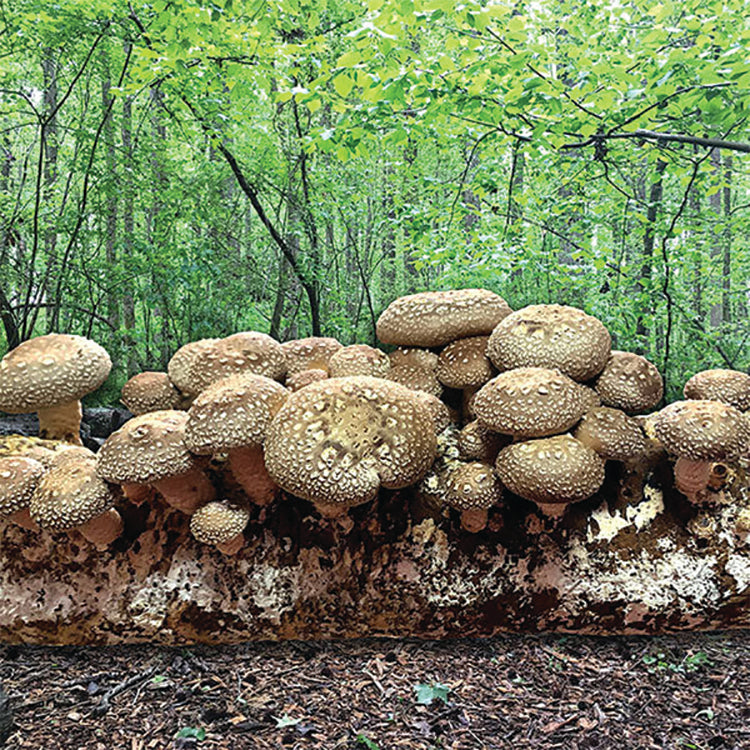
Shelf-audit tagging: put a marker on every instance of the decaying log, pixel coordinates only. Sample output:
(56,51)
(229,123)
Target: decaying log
(636,558)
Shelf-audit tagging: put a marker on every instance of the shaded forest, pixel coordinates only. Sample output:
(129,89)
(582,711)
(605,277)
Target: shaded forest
(172,170)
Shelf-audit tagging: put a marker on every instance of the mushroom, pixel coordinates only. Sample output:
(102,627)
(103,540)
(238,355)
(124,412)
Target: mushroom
(71,496)
(150,450)
(531,402)
(552,472)
(441,414)
(179,366)
(437,318)
(312,353)
(700,432)
(338,441)
(220,523)
(359,359)
(150,391)
(464,365)
(473,489)
(49,375)
(728,386)
(611,433)
(554,336)
(302,379)
(19,477)
(232,416)
(477,443)
(418,357)
(416,378)
(629,382)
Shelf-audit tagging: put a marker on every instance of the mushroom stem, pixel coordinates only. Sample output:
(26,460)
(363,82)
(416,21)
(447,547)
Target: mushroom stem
(137,493)
(61,422)
(474,520)
(23,519)
(691,477)
(332,510)
(102,530)
(466,395)
(554,511)
(249,469)
(232,546)
(187,492)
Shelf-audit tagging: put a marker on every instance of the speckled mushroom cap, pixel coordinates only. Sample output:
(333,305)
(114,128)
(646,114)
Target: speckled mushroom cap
(611,433)
(19,477)
(416,378)
(218,522)
(530,402)
(146,449)
(70,494)
(312,353)
(179,366)
(302,379)
(702,430)
(249,351)
(473,486)
(437,318)
(555,336)
(150,391)
(339,440)
(50,370)
(233,412)
(464,363)
(477,443)
(554,470)
(419,357)
(359,359)
(728,386)
(630,382)
(441,415)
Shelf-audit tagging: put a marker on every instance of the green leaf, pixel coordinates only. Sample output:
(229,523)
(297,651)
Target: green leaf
(197,733)
(343,84)
(426,694)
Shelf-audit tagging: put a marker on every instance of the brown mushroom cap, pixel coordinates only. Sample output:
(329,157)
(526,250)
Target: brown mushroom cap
(551,471)
(477,443)
(418,357)
(416,378)
(150,391)
(70,494)
(19,477)
(359,359)
(49,371)
(441,415)
(728,386)
(339,440)
(473,485)
(218,522)
(302,379)
(554,336)
(233,412)
(530,402)
(182,360)
(312,353)
(464,363)
(437,318)
(630,382)
(702,430)
(611,433)
(146,449)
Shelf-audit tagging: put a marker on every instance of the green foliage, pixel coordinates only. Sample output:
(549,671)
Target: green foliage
(367,742)
(661,662)
(427,693)
(197,733)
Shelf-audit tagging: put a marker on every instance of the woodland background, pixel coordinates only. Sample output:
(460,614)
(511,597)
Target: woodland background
(171,170)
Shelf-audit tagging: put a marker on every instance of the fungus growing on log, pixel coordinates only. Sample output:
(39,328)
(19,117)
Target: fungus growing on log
(629,382)
(436,318)
(554,336)
(49,375)
(232,416)
(220,523)
(150,391)
(151,450)
(338,441)
(611,433)
(359,359)
(19,477)
(473,489)
(728,386)
(312,353)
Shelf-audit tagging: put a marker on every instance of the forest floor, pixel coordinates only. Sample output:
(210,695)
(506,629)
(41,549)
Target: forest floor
(684,692)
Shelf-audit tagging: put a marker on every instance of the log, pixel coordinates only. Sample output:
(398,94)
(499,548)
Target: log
(636,558)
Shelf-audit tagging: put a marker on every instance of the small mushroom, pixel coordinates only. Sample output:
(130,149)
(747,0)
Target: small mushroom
(441,414)
(301,379)
(728,386)
(418,357)
(312,353)
(611,433)
(19,477)
(182,360)
(222,524)
(464,365)
(473,489)
(49,375)
(416,378)
(150,391)
(359,359)
(477,443)
(629,382)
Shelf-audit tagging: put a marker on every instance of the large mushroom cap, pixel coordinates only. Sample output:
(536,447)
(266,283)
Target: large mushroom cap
(531,402)
(437,318)
(464,363)
(233,412)
(553,336)
(150,391)
(359,359)
(19,477)
(611,433)
(146,449)
(728,386)
(182,360)
(551,471)
(51,370)
(312,353)
(218,522)
(416,378)
(630,382)
(702,430)
(337,441)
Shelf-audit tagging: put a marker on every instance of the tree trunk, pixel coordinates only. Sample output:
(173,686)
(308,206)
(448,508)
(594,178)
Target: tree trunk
(630,560)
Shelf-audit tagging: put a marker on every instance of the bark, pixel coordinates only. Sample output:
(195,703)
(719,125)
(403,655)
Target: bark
(630,560)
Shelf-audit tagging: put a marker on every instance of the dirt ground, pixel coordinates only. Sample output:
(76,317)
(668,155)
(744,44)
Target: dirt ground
(685,692)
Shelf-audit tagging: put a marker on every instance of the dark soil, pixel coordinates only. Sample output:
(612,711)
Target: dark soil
(686,692)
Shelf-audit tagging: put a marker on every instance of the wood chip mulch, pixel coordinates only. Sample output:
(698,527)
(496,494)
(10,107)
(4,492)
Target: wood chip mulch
(689,692)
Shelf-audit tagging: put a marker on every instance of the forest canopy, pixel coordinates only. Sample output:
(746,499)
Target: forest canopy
(171,170)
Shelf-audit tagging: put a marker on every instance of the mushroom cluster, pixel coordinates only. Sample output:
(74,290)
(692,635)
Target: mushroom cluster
(475,403)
